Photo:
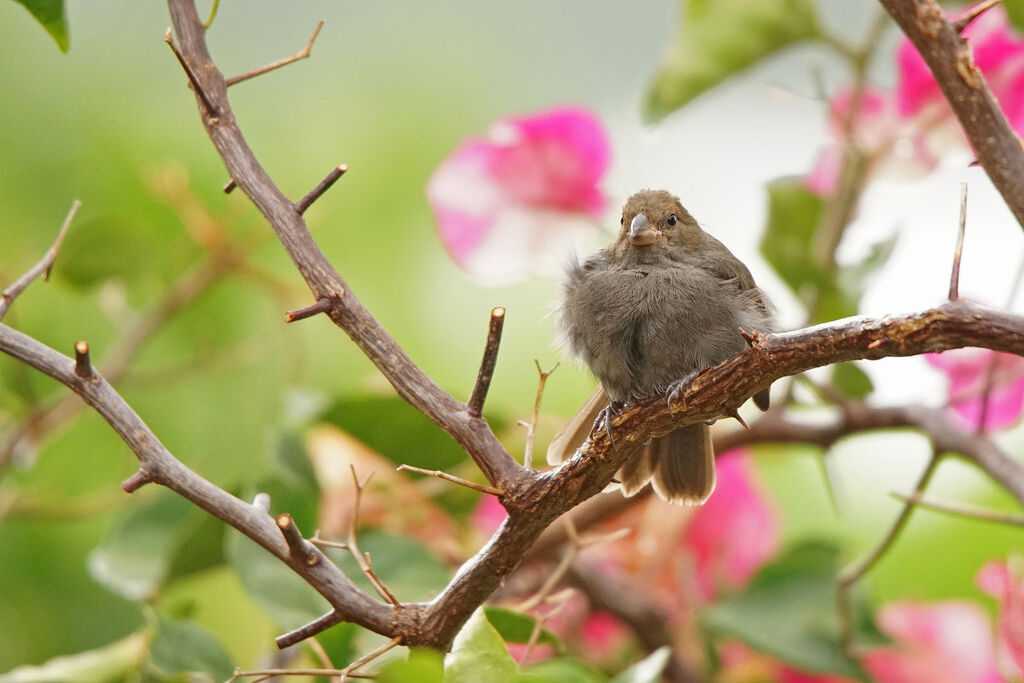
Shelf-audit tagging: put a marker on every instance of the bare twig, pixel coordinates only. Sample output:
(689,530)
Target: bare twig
(42,267)
(309,630)
(353,546)
(321,306)
(960,510)
(954,277)
(270,673)
(301,54)
(320,188)
(475,404)
(211,109)
(349,670)
(531,427)
(852,574)
(485,488)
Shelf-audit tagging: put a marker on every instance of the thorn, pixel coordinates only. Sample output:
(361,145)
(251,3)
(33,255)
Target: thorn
(735,414)
(321,187)
(972,13)
(321,306)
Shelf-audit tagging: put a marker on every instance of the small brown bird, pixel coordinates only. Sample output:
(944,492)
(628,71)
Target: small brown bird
(663,302)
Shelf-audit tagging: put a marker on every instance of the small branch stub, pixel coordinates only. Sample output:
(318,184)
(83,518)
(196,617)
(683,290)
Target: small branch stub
(321,306)
(490,359)
(309,630)
(136,481)
(297,545)
(83,368)
(321,187)
(229,186)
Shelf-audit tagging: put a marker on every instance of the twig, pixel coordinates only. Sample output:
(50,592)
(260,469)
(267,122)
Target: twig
(531,428)
(321,306)
(475,404)
(213,14)
(320,188)
(485,488)
(954,277)
(852,574)
(299,547)
(42,267)
(369,657)
(83,368)
(960,510)
(309,630)
(972,13)
(211,109)
(353,546)
(301,54)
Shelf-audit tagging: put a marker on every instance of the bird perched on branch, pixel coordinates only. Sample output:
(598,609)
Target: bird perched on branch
(661,303)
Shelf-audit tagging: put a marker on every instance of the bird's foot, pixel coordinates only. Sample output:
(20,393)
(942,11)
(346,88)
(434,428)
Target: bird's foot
(611,410)
(676,388)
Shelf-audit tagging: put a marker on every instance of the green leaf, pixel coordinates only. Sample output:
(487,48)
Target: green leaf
(114,662)
(185,647)
(561,670)
(51,15)
(789,612)
(794,213)
(422,666)
(479,655)
(851,380)
(516,627)
(289,600)
(134,558)
(647,670)
(718,38)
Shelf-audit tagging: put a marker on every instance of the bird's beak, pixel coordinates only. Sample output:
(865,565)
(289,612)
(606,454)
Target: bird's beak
(641,232)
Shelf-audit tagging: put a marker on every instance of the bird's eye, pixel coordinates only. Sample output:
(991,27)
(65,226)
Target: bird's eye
(672,220)
(622,221)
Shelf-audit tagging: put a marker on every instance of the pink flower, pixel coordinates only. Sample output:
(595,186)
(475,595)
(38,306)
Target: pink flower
(503,201)
(905,132)
(735,532)
(944,642)
(603,633)
(970,376)
(488,515)
(1006,583)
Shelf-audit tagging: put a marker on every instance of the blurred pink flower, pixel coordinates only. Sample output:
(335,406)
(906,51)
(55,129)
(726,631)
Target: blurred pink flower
(488,515)
(906,131)
(969,377)
(943,642)
(733,534)
(1005,581)
(602,633)
(502,202)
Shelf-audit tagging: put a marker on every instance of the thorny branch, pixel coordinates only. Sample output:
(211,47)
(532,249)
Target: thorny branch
(535,500)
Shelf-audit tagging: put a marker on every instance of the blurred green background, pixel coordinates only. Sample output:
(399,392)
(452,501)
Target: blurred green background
(390,89)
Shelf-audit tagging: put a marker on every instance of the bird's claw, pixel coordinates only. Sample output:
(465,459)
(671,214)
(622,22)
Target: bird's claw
(611,410)
(676,388)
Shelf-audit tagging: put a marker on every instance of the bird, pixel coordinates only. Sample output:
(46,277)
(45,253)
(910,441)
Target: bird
(663,302)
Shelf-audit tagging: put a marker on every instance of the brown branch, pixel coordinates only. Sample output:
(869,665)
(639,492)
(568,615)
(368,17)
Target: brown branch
(411,383)
(948,56)
(320,188)
(301,54)
(954,277)
(42,267)
(309,630)
(163,468)
(475,404)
